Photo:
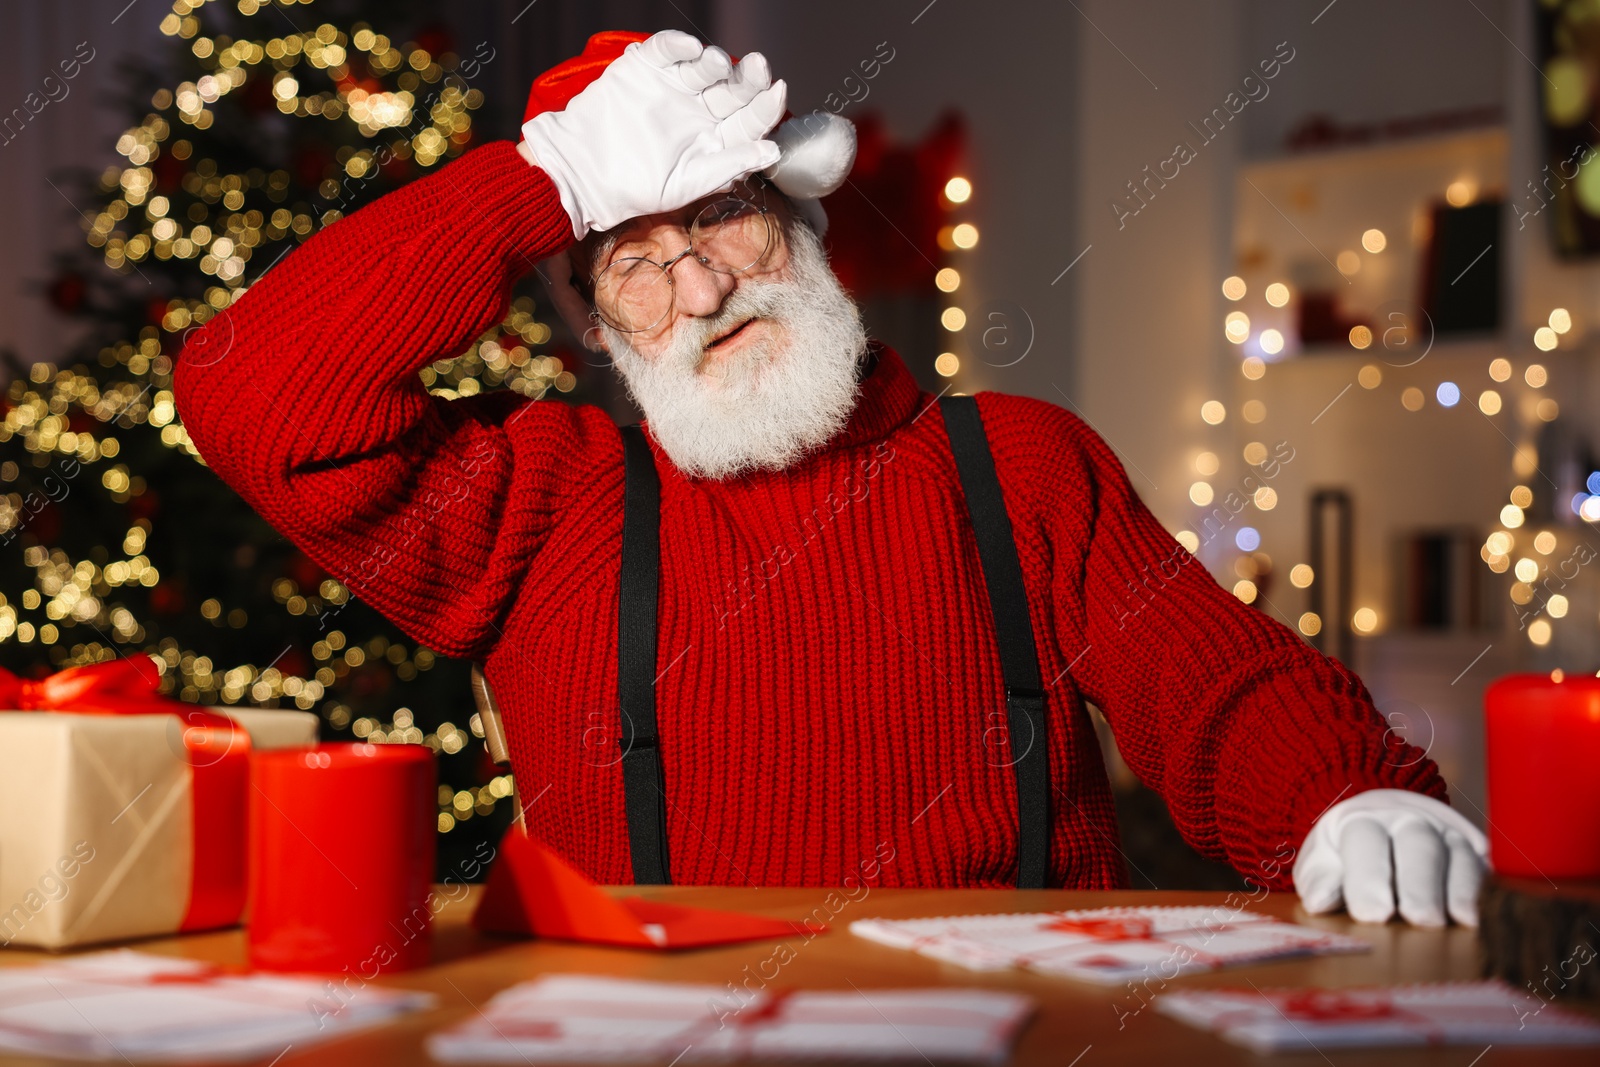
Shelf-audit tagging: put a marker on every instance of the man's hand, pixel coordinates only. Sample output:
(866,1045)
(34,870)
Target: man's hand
(1384,844)
(666,123)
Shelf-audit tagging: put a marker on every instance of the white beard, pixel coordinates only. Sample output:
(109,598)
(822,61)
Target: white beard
(770,402)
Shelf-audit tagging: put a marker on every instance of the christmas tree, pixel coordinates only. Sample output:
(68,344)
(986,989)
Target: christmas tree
(264,121)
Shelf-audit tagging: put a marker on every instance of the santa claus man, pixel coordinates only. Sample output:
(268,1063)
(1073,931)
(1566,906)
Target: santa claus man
(807,623)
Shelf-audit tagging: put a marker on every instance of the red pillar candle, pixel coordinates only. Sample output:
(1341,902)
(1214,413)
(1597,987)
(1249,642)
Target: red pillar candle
(1543,754)
(341,858)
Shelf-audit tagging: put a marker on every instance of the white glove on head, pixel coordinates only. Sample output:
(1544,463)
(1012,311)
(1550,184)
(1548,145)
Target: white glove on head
(666,123)
(1381,844)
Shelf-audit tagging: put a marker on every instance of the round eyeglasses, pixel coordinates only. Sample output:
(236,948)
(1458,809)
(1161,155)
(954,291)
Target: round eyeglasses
(634,294)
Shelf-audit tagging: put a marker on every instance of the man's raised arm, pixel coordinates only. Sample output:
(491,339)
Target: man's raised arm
(304,394)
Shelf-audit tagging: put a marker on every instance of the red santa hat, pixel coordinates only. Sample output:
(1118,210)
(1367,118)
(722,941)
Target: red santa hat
(818,149)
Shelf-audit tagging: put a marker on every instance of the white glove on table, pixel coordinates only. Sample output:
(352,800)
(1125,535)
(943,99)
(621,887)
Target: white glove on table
(668,122)
(1385,845)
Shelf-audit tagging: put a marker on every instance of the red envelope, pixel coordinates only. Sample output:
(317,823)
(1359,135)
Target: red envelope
(534,892)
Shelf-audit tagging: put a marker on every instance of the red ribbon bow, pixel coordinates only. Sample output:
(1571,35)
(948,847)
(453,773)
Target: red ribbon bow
(214,746)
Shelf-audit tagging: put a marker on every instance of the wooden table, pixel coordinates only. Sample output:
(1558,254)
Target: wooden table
(1078,1025)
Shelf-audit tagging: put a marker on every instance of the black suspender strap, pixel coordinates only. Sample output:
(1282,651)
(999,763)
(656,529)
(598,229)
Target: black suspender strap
(1019,661)
(644,790)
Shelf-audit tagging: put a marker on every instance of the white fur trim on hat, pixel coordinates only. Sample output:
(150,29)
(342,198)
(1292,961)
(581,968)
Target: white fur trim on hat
(817,152)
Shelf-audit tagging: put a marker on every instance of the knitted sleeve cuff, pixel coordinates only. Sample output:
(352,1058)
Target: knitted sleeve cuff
(1314,749)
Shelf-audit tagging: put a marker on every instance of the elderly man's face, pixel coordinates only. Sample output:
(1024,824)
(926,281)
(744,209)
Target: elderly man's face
(746,367)
(698,291)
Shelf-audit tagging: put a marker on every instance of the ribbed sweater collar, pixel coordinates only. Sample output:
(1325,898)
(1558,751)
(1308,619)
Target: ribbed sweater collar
(888,397)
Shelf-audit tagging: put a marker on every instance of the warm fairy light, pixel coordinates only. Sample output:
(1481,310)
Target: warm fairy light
(1245,590)
(1547,410)
(1201,493)
(1461,192)
(1544,543)
(1561,320)
(1526,570)
(1536,375)
(1348,262)
(1544,339)
(1277,294)
(1255,453)
(1301,575)
(1207,463)
(1311,624)
(1489,402)
(1271,342)
(957,190)
(1213,412)
(1237,327)
(1500,370)
(1189,540)
(1253,367)
(947,364)
(1365,620)
(948,280)
(1522,496)
(1266,498)
(1360,336)
(1374,241)
(1370,376)
(1511,516)
(1557,606)
(1500,543)
(1539,632)
(964,235)
(1234,288)
(1412,399)
(953,319)
(1253,411)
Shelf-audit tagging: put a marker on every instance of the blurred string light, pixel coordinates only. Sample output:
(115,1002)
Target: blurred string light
(218,229)
(951,238)
(1236,327)
(1461,192)
(1498,547)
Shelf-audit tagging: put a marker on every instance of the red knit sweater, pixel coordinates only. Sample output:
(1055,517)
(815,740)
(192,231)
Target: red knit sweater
(829,678)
